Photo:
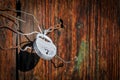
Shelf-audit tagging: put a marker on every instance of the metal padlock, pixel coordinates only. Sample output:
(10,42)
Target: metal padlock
(44,47)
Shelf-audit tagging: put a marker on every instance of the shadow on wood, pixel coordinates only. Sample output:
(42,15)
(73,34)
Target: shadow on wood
(27,60)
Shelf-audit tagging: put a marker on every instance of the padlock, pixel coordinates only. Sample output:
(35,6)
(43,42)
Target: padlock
(44,47)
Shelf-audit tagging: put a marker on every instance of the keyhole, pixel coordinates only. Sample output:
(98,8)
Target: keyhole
(47,51)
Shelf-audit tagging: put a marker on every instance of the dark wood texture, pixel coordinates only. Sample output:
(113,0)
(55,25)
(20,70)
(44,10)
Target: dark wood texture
(92,33)
(7,39)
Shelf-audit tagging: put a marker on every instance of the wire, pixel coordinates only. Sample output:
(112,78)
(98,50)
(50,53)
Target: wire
(13,17)
(27,47)
(23,20)
(75,59)
(29,15)
(34,32)
(17,47)
(52,28)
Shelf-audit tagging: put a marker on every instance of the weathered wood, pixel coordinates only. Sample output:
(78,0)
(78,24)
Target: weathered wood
(87,34)
(7,39)
(91,32)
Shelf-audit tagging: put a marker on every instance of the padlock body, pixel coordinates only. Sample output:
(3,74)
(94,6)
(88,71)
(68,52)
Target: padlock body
(44,47)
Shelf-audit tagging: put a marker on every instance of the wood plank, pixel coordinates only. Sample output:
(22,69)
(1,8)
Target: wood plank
(7,39)
(91,32)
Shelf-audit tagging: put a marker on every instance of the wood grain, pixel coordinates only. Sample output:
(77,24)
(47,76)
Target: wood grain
(91,32)
(7,39)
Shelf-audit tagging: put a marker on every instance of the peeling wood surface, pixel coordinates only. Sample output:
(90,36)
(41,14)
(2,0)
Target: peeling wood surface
(92,32)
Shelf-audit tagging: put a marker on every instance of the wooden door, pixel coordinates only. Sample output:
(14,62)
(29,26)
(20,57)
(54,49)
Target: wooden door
(91,32)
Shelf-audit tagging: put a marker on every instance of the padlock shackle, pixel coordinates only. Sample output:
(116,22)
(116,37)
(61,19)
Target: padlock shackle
(43,36)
